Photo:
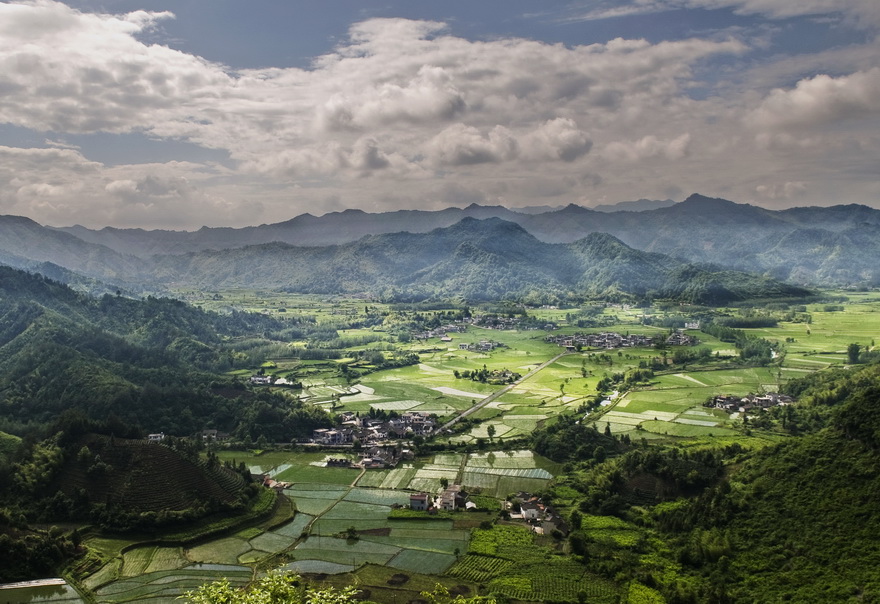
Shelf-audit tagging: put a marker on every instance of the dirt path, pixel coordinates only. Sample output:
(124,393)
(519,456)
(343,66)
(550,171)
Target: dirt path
(354,482)
(689,378)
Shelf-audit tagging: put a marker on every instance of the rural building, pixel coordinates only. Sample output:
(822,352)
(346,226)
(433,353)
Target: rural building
(452,497)
(419,501)
(531,510)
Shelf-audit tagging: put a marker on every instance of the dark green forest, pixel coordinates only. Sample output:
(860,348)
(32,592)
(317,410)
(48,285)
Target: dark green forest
(151,363)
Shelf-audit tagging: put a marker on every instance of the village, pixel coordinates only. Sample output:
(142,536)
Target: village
(354,429)
(751,402)
(609,340)
(530,509)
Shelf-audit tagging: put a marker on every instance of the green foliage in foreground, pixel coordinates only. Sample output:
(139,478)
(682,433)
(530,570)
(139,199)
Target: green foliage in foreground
(287,588)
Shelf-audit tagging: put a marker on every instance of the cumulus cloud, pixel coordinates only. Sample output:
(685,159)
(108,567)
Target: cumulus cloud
(787,190)
(559,138)
(649,147)
(63,185)
(461,145)
(820,100)
(397,110)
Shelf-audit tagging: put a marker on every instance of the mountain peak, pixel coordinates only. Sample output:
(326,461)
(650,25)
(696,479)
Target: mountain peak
(697,200)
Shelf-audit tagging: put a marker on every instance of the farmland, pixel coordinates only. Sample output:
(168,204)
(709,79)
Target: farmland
(341,526)
(328,501)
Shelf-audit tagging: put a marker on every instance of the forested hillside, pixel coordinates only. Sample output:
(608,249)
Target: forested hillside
(152,363)
(796,521)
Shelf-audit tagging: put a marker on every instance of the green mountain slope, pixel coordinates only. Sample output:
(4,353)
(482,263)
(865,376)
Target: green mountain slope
(800,519)
(473,260)
(151,363)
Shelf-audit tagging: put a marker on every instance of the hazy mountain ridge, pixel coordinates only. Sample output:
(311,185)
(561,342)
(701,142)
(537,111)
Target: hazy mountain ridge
(699,229)
(473,260)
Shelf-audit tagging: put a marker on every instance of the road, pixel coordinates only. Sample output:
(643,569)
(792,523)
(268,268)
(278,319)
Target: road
(497,394)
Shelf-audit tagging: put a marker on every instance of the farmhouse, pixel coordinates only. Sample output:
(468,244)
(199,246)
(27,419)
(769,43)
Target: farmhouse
(156,438)
(680,338)
(531,510)
(419,501)
(214,436)
(452,498)
(326,436)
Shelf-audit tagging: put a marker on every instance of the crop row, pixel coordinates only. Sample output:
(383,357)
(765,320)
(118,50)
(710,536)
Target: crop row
(543,584)
(488,541)
(479,568)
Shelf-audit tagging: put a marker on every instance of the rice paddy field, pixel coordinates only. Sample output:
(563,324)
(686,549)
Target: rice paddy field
(40,592)
(342,527)
(673,404)
(507,560)
(342,522)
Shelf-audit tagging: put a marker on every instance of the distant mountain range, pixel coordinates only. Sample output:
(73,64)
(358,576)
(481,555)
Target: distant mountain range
(428,251)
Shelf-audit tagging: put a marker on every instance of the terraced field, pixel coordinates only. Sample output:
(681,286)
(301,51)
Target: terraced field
(168,585)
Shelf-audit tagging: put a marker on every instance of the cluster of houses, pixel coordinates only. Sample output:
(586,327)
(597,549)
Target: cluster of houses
(744,404)
(373,458)
(370,430)
(680,338)
(481,346)
(610,339)
(542,518)
(272,380)
(607,339)
(441,332)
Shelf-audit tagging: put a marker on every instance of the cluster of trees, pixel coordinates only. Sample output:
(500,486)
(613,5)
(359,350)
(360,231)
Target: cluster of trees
(26,553)
(484,375)
(556,441)
(752,349)
(625,380)
(278,587)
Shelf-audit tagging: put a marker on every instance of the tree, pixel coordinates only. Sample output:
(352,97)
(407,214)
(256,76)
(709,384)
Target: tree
(852,353)
(277,587)
(491,431)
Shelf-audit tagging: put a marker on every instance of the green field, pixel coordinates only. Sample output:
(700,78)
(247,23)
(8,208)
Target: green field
(506,559)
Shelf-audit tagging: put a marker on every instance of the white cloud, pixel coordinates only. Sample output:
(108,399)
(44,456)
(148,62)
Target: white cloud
(864,13)
(460,145)
(820,100)
(559,139)
(399,110)
(787,190)
(649,147)
(65,188)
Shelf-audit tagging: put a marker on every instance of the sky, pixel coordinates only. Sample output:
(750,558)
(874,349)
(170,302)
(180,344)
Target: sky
(177,114)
